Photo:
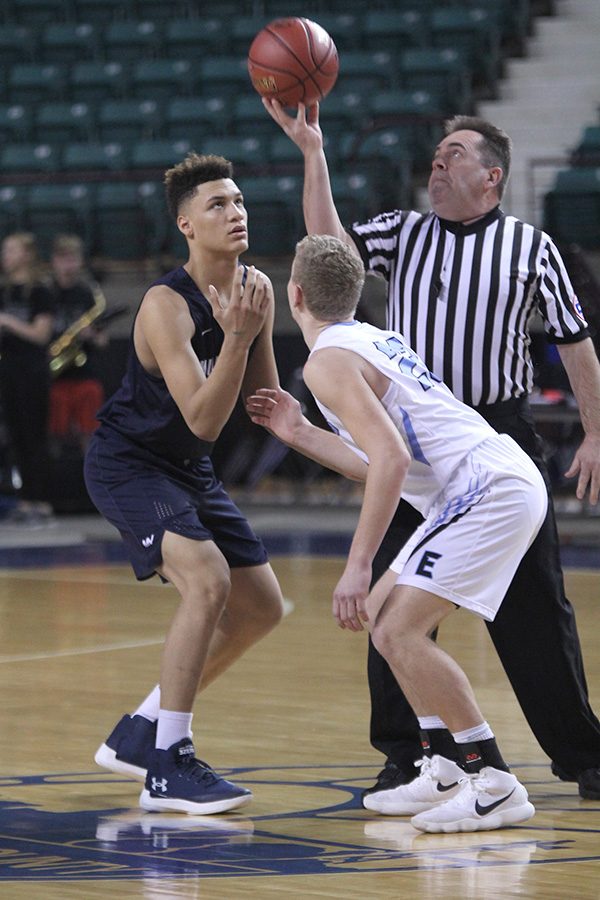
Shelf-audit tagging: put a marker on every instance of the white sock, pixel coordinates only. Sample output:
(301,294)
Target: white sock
(481,732)
(149,707)
(427,723)
(172,727)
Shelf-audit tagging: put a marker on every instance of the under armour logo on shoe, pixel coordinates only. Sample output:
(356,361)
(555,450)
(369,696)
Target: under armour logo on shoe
(148,541)
(159,785)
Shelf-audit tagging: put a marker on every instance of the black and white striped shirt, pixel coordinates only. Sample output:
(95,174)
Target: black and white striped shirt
(464,296)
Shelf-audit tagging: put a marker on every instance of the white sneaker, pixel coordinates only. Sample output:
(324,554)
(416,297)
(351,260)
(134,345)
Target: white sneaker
(490,799)
(437,782)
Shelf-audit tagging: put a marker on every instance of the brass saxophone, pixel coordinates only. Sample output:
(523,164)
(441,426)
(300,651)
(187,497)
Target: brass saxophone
(67,349)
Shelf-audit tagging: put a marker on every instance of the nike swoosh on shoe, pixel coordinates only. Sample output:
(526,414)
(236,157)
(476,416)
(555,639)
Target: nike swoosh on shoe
(445,787)
(485,810)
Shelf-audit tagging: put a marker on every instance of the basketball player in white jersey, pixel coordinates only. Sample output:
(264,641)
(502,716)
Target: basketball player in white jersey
(398,428)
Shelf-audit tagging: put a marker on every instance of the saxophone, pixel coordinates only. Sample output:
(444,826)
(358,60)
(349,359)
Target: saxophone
(67,349)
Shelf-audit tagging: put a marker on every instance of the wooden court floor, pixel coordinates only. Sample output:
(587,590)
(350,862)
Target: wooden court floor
(80,645)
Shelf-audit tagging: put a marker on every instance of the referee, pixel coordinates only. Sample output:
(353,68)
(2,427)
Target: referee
(464,282)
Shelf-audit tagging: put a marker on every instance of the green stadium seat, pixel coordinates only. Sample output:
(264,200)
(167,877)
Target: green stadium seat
(29,157)
(39,12)
(11,209)
(345,110)
(572,207)
(587,151)
(160,79)
(35,83)
(69,42)
(355,196)
(473,31)
(159,154)
(102,12)
(443,71)
(53,208)
(274,205)
(162,12)
(249,152)
(17,44)
(94,81)
(248,116)
(15,122)
(345,29)
(127,224)
(191,117)
(283,153)
(128,120)
(63,122)
(242,31)
(95,156)
(130,40)
(366,71)
(384,156)
(393,29)
(223,76)
(191,37)
(418,112)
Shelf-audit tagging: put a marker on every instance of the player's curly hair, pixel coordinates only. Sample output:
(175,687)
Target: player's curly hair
(182,180)
(495,147)
(331,276)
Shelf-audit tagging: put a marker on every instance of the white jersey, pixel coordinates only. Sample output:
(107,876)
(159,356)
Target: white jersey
(439,430)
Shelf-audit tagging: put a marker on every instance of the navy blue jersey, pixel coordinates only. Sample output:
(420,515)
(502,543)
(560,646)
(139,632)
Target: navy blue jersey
(142,409)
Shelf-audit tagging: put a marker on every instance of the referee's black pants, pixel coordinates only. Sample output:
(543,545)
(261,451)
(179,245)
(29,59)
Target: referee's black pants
(534,633)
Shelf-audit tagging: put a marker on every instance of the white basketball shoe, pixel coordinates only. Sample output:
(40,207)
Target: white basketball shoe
(438,780)
(490,799)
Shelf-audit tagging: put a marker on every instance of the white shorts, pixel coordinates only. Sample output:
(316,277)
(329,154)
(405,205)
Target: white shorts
(478,529)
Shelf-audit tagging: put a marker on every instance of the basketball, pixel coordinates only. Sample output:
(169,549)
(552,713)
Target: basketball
(293,61)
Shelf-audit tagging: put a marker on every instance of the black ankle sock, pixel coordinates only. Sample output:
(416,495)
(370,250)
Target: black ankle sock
(439,741)
(478,754)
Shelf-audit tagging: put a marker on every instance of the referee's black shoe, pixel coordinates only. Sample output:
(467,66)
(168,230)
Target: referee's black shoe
(588,780)
(390,777)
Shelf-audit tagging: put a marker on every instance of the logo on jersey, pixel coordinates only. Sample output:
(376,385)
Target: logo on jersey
(408,361)
(148,541)
(577,308)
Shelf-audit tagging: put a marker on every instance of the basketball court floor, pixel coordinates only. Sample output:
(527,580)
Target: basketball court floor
(80,643)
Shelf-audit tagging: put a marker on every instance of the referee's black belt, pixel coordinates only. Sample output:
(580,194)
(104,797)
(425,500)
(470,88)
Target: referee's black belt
(504,407)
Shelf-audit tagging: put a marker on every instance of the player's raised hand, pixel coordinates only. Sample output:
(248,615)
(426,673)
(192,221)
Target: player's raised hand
(303,128)
(242,314)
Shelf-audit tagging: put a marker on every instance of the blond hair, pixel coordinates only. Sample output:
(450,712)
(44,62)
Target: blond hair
(331,276)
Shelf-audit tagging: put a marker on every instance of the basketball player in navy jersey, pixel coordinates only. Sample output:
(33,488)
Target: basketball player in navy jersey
(395,426)
(202,333)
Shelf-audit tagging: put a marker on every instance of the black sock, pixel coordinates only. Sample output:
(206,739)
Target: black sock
(439,741)
(478,754)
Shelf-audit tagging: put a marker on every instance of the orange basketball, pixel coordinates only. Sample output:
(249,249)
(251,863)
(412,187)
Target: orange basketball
(294,61)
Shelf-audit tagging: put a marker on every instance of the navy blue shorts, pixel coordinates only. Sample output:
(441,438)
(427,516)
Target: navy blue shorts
(143,496)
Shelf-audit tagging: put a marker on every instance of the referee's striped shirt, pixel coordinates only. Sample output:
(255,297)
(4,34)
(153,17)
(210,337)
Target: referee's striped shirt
(463,296)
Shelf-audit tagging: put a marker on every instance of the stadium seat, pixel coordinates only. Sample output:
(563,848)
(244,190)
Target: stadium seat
(587,151)
(249,152)
(93,81)
(355,196)
(345,110)
(127,120)
(384,156)
(63,122)
(473,31)
(11,209)
(29,157)
(249,117)
(94,156)
(32,83)
(189,118)
(391,29)
(418,112)
(242,31)
(38,12)
(68,42)
(443,71)
(130,40)
(223,76)
(17,44)
(366,71)
(160,154)
(274,206)
(15,122)
(572,207)
(53,208)
(102,12)
(193,37)
(283,153)
(127,223)
(159,79)
(346,29)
